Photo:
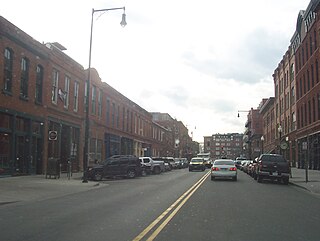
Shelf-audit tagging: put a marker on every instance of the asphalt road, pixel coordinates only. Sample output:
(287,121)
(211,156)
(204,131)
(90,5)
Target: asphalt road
(128,209)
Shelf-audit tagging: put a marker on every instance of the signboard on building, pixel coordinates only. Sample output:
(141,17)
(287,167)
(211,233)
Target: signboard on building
(53,135)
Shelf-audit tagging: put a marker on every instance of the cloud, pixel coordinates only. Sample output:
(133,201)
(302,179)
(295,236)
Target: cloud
(248,61)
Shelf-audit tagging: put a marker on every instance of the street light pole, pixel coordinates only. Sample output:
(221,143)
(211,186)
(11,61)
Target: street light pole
(262,140)
(280,132)
(87,120)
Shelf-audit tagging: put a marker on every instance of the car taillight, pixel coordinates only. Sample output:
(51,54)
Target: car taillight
(233,169)
(215,169)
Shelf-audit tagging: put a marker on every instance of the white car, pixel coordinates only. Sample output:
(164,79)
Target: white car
(224,168)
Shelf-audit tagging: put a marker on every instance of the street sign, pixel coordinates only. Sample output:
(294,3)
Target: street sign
(53,135)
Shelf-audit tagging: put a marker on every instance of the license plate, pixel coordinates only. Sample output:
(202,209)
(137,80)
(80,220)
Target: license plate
(224,169)
(275,174)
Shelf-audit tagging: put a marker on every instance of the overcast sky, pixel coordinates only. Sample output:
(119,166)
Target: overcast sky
(200,61)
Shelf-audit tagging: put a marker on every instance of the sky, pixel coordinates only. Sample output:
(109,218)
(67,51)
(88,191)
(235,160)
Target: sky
(200,61)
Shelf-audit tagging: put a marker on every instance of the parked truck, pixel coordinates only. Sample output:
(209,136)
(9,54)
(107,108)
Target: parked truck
(152,166)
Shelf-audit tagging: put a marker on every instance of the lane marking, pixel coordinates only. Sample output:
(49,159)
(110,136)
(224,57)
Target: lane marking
(189,192)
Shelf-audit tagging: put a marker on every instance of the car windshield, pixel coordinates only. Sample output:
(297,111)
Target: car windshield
(197,160)
(273,158)
(223,162)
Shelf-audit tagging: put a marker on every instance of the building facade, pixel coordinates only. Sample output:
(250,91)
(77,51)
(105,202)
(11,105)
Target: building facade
(224,145)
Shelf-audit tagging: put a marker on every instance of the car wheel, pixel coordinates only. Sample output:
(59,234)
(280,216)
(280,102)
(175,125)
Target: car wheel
(234,178)
(203,169)
(190,170)
(285,181)
(156,170)
(144,172)
(255,176)
(131,173)
(97,176)
(212,178)
(259,179)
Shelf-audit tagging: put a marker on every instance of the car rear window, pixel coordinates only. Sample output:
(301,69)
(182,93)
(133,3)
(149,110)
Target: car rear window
(272,158)
(223,163)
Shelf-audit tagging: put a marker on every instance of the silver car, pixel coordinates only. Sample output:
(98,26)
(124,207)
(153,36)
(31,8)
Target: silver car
(224,168)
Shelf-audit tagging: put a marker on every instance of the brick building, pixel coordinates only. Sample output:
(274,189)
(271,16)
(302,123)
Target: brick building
(42,111)
(224,145)
(305,45)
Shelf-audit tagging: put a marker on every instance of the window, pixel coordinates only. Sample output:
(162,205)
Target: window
(85,95)
(108,112)
(309,110)
(76,97)
(118,116)
(24,78)
(312,76)
(318,98)
(308,79)
(8,66)
(39,83)
(313,109)
(66,92)
(317,71)
(54,90)
(100,103)
(113,114)
(93,100)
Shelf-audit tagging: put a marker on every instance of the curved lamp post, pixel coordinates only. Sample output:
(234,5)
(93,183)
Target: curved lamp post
(87,121)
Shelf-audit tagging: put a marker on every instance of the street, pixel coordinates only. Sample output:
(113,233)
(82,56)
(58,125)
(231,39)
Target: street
(134,209)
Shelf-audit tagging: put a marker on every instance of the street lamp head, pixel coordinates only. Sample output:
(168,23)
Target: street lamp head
(123,22)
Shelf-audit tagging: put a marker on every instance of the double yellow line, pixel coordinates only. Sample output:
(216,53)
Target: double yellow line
(181,201)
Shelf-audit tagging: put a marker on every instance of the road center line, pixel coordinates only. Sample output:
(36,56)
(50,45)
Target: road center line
(189,192)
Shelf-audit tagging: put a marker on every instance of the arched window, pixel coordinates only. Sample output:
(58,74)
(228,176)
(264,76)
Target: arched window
(8,67)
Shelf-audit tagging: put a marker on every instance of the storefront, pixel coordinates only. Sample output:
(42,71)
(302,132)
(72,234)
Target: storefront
(21,144)
(63,143)
(309,151)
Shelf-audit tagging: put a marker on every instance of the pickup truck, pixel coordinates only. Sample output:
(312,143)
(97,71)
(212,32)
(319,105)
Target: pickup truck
(272,166)
(152,166)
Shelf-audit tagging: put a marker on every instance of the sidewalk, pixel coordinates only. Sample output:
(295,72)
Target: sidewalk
(37,187)
(299,179)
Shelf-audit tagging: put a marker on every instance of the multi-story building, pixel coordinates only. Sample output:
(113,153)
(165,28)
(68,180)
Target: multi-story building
(285,106)
(305,45)
(268,126)
(224,145)
(179,142)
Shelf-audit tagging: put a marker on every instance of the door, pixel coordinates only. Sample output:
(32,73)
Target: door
(22,155)
(112,168)
(36,155)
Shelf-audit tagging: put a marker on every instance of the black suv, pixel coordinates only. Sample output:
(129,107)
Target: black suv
(119,165)
(272,166)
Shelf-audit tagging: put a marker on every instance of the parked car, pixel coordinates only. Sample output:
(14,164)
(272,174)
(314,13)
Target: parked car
(171,162)
(167,165)
(224,168)
(152,166)
(197,163)
(245,165)
(238,161)
(273,167)
(120,165)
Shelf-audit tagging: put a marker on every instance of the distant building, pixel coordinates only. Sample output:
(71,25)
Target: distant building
(224,145)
